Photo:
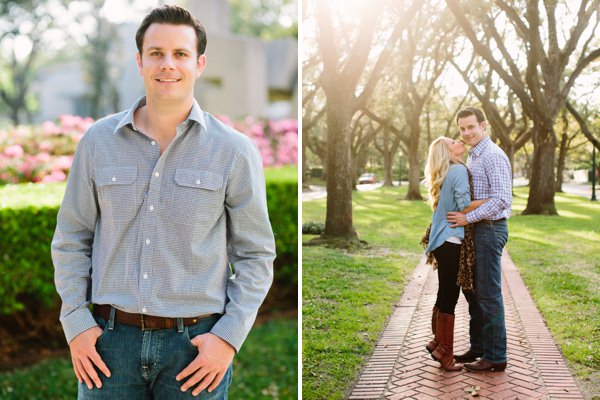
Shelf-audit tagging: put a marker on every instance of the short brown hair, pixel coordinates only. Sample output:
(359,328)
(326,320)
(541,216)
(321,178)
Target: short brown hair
(468,111)
(175,15)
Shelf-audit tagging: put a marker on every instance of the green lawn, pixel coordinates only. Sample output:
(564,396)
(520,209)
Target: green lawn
(265,368)
(559,260)
(348,297)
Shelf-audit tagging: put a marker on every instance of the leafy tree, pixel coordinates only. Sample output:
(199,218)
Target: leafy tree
(267,19)
(22,25)
(539,60)
(349,76)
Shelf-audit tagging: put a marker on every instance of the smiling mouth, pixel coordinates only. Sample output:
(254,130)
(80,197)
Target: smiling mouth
(167,80)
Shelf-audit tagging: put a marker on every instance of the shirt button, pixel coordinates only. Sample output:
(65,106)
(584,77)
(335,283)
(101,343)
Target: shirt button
(147,241)
(153,143)
(157,174)
(143,309)
(151,208)
(114,179)
(197,181)
(145,275)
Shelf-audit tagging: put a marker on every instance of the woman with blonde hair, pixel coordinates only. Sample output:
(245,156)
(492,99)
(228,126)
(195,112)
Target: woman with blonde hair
(449,249)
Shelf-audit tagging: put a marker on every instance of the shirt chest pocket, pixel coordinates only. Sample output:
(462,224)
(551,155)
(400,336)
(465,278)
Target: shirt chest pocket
(117,192)
(197,196)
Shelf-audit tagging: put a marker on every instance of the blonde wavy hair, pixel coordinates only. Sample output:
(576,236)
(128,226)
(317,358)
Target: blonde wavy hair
(438,163)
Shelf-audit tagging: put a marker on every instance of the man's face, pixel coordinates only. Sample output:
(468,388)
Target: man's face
(470,130)
(169,63)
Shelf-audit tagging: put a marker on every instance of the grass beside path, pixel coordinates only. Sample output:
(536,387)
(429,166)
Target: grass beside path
(265,368)
(559,260)
(348,297)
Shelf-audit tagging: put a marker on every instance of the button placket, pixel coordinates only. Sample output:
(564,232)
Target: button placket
(149,236)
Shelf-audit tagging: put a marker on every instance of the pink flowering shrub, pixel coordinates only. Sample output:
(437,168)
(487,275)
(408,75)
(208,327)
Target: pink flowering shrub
(276,140)
(44,153)
(40,153)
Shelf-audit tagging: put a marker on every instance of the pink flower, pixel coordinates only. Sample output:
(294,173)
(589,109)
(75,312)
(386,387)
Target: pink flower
(55,176)
(69,122)
(49,128)
(63,163)
(45,146)
(225,119)
(14,151)
(84,124)
(43,157)
(255,130)
(287,151)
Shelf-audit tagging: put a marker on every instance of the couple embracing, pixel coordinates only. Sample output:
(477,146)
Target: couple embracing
(468,231)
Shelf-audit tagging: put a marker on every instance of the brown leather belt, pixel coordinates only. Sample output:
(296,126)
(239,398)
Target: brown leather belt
(145,322)
(491,221)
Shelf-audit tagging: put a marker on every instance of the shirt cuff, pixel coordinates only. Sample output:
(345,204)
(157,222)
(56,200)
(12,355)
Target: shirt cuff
(471,217)
(77,322)
(231,330)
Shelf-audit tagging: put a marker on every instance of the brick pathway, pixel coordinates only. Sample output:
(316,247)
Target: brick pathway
(401,368)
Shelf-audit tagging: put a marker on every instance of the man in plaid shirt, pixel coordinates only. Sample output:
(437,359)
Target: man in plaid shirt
(492,180)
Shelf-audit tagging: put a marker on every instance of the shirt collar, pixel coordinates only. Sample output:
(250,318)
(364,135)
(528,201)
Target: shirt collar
(196,114)
(480,147)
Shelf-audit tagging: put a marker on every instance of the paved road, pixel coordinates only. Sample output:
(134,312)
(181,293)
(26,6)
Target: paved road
(579,189)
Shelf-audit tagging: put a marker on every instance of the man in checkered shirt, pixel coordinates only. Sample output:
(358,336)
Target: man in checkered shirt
(492,180)
(164,229)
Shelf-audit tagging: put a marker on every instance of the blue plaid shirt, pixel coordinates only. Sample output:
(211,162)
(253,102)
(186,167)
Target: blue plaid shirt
(492,179)
(155,234)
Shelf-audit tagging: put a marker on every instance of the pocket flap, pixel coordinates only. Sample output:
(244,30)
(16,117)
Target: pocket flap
(195,178)
(116,176)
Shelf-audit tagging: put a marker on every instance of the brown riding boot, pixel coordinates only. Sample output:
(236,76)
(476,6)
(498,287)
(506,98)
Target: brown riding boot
(444,352)
(433,343)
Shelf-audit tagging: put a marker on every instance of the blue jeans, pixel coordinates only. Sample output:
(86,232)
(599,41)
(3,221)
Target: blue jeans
(487,328)
(143,364)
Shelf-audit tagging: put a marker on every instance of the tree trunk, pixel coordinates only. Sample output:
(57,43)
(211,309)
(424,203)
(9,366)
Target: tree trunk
(414,168)
(338,222)
(388,158)
(14,115)
(304,149)
(560,167)
(541,185)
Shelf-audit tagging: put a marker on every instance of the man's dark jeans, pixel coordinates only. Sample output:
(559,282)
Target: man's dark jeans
(487,328)
(143,364)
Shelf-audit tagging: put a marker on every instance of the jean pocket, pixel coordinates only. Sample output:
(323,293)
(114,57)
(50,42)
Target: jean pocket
(117,192)
(197,196)
(103,324)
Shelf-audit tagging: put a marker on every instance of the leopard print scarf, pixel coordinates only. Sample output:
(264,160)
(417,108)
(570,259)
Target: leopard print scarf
(466,265)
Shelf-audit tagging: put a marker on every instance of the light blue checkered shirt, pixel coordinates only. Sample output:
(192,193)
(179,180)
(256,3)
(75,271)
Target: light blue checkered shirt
(492,179)
(156,234)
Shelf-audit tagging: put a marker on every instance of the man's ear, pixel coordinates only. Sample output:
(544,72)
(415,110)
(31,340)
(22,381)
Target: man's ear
(483,124)
(138,59)
(200,65)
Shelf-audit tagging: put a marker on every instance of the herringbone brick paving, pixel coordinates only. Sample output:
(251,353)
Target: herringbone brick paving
(401,368)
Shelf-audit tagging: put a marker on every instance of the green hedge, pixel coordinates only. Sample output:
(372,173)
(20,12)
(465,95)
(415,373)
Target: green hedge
(27,222)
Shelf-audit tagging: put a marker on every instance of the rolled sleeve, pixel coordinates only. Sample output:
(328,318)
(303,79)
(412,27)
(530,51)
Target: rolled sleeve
(71,246)
(251,247)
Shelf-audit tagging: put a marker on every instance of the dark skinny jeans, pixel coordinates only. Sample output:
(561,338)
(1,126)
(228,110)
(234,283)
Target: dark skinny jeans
(447,257)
